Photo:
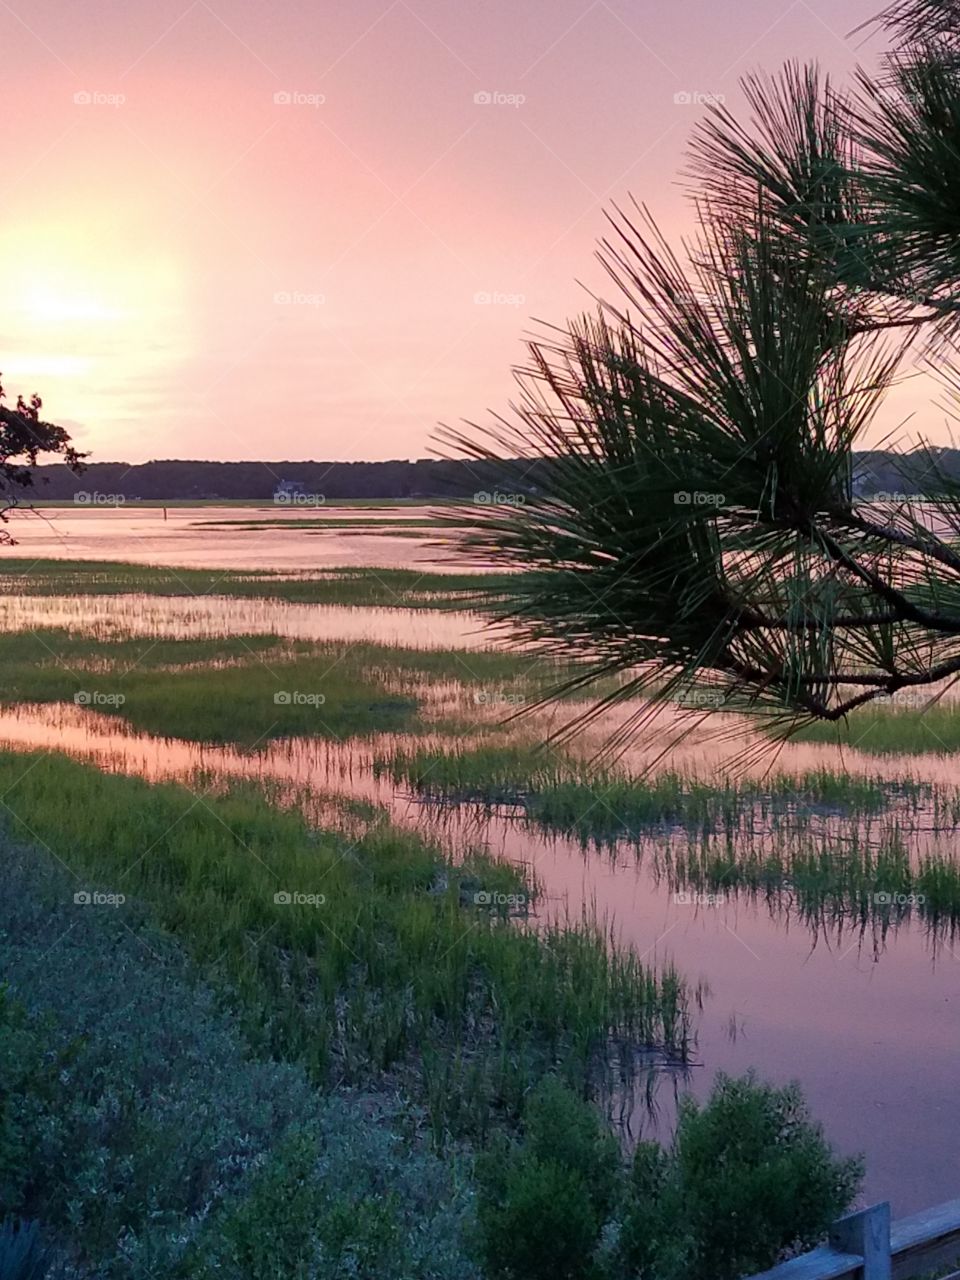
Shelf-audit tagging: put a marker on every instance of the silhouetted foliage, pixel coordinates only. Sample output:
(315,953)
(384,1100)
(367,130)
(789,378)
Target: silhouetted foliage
(24,436)
(704,521)
(188,479)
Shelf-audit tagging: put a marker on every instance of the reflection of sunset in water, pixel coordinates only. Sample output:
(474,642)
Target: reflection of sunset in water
(197,537)
(866,1020)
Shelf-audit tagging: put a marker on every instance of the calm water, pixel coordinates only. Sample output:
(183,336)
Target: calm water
(869,1024)
(194,537)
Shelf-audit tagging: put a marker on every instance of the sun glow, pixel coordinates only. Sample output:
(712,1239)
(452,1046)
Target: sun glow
(47,306)
(90,325)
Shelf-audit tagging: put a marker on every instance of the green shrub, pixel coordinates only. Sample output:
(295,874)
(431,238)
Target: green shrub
(543,1202)
(21,1103)
(749,1179)
(543,1227)
(291,1225)
(648,1237)
(347,1199)
(560,1128)
(138,1129)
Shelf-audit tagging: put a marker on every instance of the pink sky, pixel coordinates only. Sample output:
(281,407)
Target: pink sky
(159,204)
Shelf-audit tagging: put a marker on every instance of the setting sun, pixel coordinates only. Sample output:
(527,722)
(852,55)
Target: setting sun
(88,321)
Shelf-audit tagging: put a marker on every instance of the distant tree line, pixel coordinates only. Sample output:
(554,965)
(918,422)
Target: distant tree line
(875,473)
(884,474)
(424,478)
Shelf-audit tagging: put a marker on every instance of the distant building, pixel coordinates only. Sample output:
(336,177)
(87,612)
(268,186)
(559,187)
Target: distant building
(286,489)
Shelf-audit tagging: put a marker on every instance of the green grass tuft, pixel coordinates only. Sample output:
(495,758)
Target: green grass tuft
(402,965)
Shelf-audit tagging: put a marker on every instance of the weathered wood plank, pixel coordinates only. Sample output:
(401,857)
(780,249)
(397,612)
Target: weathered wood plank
(929,1223)
(866,1233)
(824,1263)
(923,1243)
(926,1241)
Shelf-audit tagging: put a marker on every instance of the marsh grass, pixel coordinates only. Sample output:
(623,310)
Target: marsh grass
(395,958)
(245,690)
(251,689)
(853,880)
(893,730)
(389,588)
(568,795)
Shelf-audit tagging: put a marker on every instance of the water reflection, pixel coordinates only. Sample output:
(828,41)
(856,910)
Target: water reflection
(859,1000)
(110,617)
(207,537)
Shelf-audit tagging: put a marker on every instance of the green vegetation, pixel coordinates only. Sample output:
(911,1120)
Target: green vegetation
(748,1178)
(855,880)
(891,730)
(23,1253)
(356,955)
(248,689)
(140,1137)
(607,806)
(571,796)
(385,588)
(245,690)
(543,1201)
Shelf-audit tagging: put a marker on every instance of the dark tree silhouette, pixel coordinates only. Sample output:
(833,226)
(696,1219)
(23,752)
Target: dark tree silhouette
(24,436)
(700,525)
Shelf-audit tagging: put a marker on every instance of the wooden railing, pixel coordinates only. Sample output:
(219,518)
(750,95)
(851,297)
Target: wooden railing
(866,1246)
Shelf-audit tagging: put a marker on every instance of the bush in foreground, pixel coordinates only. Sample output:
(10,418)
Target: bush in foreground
(748,1180)
(141,1133)
(543,1202)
